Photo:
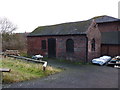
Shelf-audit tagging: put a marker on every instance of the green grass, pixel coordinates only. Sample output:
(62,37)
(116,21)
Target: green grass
(23,70)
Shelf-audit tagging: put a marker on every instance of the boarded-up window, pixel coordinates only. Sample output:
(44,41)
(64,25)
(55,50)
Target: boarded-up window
(43,44)
(70,46)
(93,45)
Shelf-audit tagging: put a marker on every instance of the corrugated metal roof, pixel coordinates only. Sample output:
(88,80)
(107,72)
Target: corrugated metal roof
(111,37)
(62,29)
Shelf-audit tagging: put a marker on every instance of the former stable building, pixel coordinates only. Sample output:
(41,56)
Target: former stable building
(79,41)
(110,35)
(75,41)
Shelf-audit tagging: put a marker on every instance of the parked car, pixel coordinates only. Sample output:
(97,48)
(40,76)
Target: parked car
(102,60)
(37,57)
(114,61)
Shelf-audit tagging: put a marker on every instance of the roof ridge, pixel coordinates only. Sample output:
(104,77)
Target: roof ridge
(79,27)
(65,23)
(104,16)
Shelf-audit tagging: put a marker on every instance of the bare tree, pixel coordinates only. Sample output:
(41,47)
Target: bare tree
(6,32)
(11,40)
(6,26)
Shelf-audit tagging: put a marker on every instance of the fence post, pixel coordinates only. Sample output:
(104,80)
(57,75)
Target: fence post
(44,66)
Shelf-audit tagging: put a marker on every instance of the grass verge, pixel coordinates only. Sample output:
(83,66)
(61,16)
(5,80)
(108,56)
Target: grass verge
(23,70)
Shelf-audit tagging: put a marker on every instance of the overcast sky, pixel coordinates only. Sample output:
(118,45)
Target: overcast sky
(29,14)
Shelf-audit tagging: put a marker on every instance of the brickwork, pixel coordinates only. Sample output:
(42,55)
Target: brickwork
(94,33)
(109,49)
(82,45)
(34,47)
(107,27)
(79,48)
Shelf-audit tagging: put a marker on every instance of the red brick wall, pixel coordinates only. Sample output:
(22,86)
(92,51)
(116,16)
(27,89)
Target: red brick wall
(112,50)
(34,47)
(79,48)
(107,27)
(94,33)
(82,45)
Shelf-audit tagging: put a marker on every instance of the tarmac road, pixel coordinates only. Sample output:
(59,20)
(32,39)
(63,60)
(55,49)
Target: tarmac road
(74,76)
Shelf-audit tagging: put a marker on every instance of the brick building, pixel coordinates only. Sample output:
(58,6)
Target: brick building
(79,41)
(75,41)
(110,35)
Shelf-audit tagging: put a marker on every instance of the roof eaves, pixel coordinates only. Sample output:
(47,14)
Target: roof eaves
(37,35)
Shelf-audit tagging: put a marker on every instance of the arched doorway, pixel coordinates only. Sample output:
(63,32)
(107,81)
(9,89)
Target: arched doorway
(69,46)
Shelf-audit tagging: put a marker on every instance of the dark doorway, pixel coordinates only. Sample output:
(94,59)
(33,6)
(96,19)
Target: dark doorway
(70,46)
(51,47)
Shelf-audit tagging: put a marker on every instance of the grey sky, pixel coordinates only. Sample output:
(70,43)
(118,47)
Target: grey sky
(29,14)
